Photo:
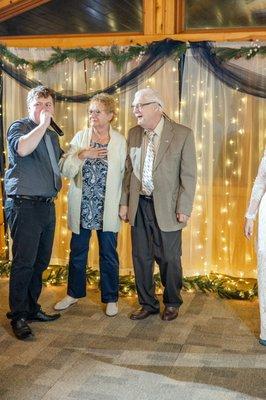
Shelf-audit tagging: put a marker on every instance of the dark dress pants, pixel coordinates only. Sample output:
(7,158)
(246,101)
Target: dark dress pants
(150,244)
(32,225)
(109,264)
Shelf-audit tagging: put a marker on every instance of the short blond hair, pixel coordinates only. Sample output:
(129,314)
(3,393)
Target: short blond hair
(40,91)
(106,99)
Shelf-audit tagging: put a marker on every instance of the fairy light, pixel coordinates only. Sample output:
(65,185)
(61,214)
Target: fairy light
(232,172)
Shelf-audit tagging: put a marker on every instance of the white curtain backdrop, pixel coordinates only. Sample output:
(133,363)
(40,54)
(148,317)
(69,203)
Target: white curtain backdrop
(85,77)
(230,133)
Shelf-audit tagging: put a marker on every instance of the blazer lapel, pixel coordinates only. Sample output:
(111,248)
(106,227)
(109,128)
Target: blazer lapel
(166,138)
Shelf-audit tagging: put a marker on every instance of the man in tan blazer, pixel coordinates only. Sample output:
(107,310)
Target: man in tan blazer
(158,192)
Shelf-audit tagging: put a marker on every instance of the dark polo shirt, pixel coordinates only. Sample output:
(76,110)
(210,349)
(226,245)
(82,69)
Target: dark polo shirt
(31,175)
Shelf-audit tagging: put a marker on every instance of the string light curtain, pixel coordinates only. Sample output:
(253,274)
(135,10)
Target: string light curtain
(230,131)
(87,77)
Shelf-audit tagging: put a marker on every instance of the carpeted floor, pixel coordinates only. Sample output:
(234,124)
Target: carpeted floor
(210,352)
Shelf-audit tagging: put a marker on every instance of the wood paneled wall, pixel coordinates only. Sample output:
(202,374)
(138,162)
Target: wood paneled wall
(162,19)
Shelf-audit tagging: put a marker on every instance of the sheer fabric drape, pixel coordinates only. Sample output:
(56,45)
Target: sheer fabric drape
(86,77)
(230,132)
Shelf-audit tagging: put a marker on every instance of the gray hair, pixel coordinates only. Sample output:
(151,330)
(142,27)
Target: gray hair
(151,95)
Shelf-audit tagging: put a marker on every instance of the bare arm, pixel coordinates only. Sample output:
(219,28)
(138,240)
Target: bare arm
(28,143)
(258,190)
(248,228)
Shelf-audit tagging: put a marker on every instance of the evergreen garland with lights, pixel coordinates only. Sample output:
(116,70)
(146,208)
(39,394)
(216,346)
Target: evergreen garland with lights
(114,54)
(224,286)
(226,53)
(118,56)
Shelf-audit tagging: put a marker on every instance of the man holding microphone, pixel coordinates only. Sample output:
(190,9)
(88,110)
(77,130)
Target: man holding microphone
(32,182)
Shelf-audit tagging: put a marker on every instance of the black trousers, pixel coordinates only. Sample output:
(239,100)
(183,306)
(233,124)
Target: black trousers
(32,225)
(150,244)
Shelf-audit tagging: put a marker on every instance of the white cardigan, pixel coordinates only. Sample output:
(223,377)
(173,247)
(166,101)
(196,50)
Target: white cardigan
(71,167)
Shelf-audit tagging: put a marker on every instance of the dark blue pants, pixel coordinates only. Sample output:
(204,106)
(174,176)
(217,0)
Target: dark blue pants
(109,264)
(32,225)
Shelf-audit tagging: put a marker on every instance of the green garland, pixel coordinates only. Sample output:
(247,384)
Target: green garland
(119,57)
(225,53)
(225,286)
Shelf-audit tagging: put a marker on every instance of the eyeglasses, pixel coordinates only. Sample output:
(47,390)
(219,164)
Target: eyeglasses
(139,106)
(96,112)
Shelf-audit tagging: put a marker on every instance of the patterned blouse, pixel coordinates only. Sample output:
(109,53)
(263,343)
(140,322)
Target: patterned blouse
(94,175)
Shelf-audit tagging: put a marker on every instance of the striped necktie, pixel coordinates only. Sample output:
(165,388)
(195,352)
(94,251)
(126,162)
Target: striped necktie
(147,181)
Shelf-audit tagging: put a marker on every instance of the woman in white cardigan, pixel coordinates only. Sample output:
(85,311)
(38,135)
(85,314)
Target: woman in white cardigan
(95,164)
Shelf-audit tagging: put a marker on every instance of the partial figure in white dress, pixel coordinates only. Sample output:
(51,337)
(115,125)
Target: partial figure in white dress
(258,204)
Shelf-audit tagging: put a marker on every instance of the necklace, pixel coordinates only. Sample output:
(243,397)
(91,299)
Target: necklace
(100,138)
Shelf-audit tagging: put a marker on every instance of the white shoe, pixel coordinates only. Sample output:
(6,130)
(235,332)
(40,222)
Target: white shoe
(65,303)
(111,309)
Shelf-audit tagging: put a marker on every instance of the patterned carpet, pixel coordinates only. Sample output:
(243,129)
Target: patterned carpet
(210,352)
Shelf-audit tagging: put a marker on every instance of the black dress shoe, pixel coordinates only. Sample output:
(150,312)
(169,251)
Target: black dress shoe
(169,313)
(21,329)
(9,315)
(41,316)
(142,314)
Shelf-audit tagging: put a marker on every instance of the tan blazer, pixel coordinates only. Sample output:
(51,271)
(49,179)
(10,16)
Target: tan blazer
(174,174)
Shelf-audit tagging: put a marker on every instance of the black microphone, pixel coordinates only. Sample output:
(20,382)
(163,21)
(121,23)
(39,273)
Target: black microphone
(56,128)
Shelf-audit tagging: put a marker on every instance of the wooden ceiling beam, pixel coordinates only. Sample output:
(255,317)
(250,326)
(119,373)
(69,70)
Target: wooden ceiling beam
(12,8)
(72,41)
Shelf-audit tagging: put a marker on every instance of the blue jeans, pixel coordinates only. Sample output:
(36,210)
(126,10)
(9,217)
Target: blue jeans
(109,265)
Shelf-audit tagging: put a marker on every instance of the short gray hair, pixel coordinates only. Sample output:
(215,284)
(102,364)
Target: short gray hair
(151,95)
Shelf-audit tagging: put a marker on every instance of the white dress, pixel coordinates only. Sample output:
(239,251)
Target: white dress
(258,203)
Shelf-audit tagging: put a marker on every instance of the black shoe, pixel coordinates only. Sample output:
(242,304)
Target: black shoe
(41,316)
(9,315)
(21,329)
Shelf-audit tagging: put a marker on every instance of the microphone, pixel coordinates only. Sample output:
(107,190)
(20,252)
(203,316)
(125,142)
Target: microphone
(56,128)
